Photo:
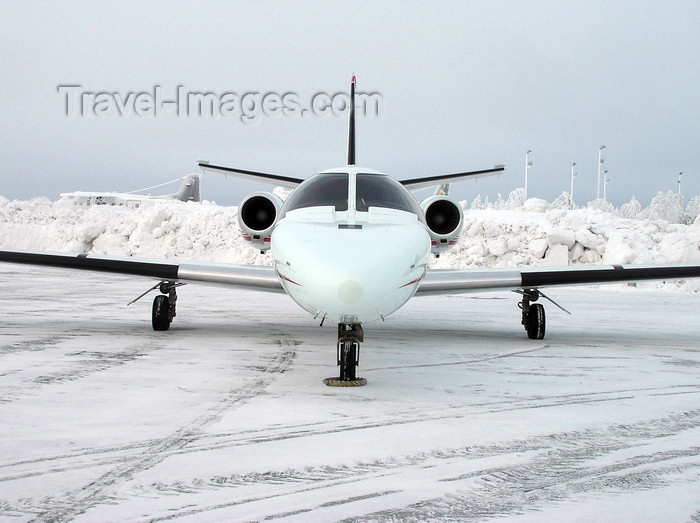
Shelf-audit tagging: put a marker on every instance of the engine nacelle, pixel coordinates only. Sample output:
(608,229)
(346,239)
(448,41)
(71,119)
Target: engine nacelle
(445,220)
(257,216)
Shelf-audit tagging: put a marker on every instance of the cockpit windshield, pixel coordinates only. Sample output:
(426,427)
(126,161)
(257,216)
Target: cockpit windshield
(322,190)
(371,190)
(376,190)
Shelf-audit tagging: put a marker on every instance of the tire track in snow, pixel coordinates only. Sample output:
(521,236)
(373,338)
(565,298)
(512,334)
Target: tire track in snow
(97,492)
(92,457)
(417,415)
(533,472)
(32,345)
(549,479)
(466,362)
(86,364)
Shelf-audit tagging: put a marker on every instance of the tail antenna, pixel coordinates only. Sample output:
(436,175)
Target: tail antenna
(351,139)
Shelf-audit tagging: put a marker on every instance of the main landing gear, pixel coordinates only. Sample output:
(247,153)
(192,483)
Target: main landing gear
(350,335)
(533,317)
(163,310)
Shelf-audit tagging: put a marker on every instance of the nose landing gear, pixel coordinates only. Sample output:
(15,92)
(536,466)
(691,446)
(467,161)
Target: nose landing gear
(350,335)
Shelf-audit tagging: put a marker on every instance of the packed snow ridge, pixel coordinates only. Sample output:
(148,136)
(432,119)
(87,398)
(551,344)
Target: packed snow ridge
(503,234)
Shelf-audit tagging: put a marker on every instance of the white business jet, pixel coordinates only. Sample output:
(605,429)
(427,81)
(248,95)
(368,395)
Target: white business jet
(351,245)
(188,192)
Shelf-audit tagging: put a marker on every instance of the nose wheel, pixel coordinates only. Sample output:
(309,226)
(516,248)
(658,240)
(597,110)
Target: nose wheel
(349,337)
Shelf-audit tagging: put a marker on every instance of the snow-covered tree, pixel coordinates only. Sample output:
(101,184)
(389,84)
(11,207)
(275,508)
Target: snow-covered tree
(516,198)
(665,206)
(631,209)
(563,201)
(500,203)
(692,210)
(600,205)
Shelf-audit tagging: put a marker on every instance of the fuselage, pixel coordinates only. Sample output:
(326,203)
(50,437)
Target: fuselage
(351,245)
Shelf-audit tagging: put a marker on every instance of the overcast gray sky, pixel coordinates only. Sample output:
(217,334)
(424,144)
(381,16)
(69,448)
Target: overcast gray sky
(465,85)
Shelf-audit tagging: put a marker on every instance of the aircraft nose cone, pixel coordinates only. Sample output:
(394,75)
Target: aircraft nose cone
(363,274)
(350,291)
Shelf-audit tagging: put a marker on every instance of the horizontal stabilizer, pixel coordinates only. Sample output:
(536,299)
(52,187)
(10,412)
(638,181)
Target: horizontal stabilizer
(276,179)
(430,181)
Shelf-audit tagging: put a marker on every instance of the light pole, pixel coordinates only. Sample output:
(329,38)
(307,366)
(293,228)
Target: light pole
(573,175)
(600,162)
(528,164)
(605,185)
(679,182)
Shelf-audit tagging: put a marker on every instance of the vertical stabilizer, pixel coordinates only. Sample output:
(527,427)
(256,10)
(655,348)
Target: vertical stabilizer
(351,139)
(189,190)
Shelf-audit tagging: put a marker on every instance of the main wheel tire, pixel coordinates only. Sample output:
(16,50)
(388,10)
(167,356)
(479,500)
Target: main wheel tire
(348,360)
(536,322)
(160,317)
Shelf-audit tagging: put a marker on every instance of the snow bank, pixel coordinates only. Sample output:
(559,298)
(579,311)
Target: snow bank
(533,234)
(165,229)
(499,238)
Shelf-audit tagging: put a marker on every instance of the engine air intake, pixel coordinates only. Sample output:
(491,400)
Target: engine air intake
(258,213)
(443,217)
(257,217)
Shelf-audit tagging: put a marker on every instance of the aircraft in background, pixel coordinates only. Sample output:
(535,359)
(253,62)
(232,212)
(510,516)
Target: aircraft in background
(352,245)
(189,191)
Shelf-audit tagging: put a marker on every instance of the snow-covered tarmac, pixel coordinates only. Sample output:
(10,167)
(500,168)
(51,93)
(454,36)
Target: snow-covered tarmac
(225,416)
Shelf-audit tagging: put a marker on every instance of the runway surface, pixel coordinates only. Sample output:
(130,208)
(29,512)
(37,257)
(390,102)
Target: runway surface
(225,417)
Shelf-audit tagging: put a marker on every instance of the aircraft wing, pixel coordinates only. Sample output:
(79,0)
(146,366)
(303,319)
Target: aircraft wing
(246,276)
(282,181)
(455,281)
(430,181)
